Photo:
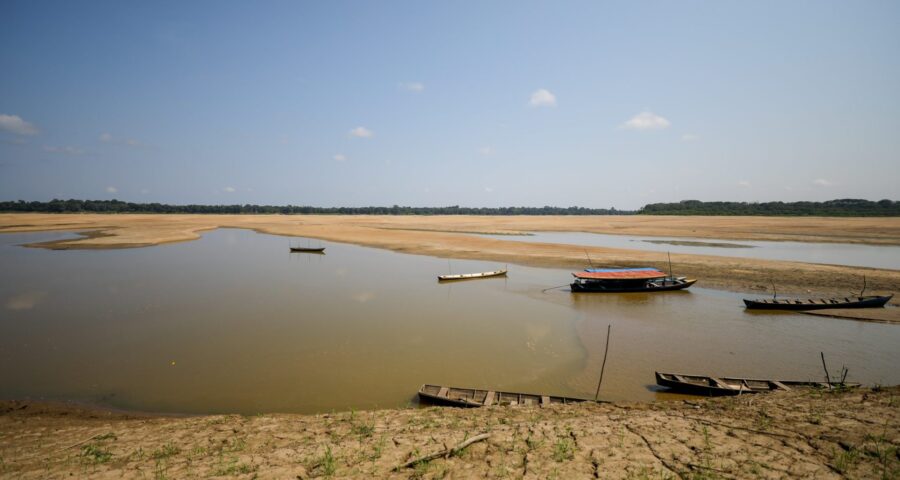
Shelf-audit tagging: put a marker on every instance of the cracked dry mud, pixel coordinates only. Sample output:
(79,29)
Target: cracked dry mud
(798,434)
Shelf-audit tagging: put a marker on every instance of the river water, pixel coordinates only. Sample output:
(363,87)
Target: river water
(233,322)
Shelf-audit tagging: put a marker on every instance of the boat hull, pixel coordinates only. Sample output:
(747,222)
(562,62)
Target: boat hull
(473,398)
(598,287)
(819,304)
(723,386)
(471,276)
(308,250)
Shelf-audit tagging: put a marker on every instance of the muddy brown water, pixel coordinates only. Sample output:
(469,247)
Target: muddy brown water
(233,322)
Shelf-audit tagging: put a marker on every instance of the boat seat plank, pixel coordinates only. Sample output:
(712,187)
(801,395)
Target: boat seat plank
(443,392)
(719,383)
(489,398)
(780,385)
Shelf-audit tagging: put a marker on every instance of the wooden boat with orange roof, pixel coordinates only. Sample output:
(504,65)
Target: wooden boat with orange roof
(627,280)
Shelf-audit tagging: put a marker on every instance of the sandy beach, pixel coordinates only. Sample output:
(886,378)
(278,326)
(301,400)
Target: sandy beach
(449,236)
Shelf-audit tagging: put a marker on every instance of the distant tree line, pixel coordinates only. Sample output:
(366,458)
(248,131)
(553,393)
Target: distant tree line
(117,206)
(846,207)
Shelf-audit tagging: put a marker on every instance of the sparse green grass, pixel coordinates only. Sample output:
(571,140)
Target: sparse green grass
(564,449)
(165,451)
(95,454)
(233,467)
(327,462)
(843,460)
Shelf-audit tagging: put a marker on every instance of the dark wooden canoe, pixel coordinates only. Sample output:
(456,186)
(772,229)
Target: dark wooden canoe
(308,249)
(471,276)
(817,303)
(717,386)
(470,397)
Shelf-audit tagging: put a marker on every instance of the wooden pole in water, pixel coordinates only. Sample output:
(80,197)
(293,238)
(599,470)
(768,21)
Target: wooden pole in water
(827,376)
(669,254)
(589,258)
(603,367)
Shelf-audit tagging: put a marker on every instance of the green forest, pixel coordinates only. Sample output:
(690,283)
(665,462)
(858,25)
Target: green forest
(847,207)
(117,206)
(832,208)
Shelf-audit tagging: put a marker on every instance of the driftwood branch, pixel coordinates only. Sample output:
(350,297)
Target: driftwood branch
(443,453)
(827,376)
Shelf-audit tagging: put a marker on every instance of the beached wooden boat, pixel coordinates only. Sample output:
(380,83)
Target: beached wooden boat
(872,301)
(471,276)
(308,249)
(470,397)
(614,280)
(717,386)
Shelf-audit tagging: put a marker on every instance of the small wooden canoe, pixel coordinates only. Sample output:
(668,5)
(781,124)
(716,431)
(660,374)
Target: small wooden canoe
(471,276)
(308,249)
(817,303)
(717,386)
(470,397)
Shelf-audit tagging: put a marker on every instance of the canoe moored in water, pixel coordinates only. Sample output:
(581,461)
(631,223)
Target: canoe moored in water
(471,276)
(308,249)
(872,301)
(716,386)
(616,280)
(470,397)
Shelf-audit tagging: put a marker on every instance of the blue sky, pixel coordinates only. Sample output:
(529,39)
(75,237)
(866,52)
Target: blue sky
(595,104)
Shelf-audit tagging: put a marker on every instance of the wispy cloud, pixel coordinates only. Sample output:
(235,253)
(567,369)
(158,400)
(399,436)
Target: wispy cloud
(339,157)
(107,137)
(542,98)
(489,189)
(486,150)
(112,190)
(145,191)
(744,184)
(229,189)
(15,124)
(646,121)
(821,182)
(69,150)
(690,137)
(415,87)
(362,132)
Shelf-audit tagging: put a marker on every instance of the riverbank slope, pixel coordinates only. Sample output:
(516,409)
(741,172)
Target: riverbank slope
(797,434)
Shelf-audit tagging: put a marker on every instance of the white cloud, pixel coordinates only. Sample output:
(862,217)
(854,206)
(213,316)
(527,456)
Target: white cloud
(362,132)
(65,150)
(229,189)
(821,182)
(145,191)
(15,124)
(744,184)
(542,98)
(646,121)
(486,150)
(107,137)
(488,189)
(690,137)
(111,190)
(339,157)
(415,87)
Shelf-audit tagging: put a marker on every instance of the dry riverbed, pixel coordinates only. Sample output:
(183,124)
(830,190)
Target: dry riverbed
(450,236)
(798,434)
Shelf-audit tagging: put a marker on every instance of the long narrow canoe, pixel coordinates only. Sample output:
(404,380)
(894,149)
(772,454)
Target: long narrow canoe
(308,249)
(717,386)
(817,303)
(471,276)
(470,397)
